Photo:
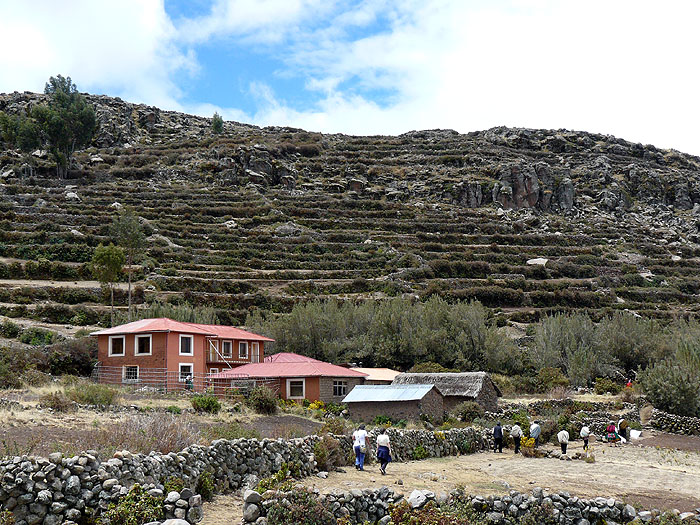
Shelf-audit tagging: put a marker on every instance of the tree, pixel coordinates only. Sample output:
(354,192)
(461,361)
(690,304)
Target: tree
(128,233)
(217,123)
(19,131)
(66,123)
(107,266)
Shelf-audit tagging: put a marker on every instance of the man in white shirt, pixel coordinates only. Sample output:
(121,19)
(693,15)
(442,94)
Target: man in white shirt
(360,445)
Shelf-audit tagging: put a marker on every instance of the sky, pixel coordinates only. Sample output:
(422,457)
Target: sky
(622,67)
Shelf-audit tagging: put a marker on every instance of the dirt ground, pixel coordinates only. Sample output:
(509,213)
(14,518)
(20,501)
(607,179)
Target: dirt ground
(644,474)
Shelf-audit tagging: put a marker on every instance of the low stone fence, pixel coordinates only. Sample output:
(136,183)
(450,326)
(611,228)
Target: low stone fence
(372,505)
(675,424)
(355,506)
(56,489)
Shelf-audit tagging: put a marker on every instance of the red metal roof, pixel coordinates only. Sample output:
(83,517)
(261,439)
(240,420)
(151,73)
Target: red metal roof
(288,365)
(163,324)
(230,332)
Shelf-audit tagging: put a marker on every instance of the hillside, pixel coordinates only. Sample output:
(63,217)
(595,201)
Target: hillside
(267,217)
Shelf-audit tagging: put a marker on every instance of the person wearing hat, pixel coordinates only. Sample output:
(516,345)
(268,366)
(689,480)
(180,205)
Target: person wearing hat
(535,431)
(498,437)
(516,433)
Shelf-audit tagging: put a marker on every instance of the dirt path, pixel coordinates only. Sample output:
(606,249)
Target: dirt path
(642,475)
(37,283)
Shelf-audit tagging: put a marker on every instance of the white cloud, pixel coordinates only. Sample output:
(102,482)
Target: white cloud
(124,48)
(625,67)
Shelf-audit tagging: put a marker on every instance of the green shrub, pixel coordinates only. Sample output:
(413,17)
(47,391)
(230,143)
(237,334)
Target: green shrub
(9,329)
(549,378)
(37,337)
(6,518)
(205,486)
(302,507)
(334,425)
(381,421)
(173,484)
(468,411)
(73,356)
(328,453)
(419,452)
(32,377)
(604,385)
(262,400)
(57,400)
(173,409)
(276,481)
(93,394)
(135,508)
(206,403)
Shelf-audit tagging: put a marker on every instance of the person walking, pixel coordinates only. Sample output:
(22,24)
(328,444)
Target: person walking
(516,433)
(585,435)
(535,431)
(359,441)
(383,451)
(563,437)
(498,437)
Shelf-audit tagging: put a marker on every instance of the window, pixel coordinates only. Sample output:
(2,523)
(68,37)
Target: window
(116,345)
(340,388)
(185,370)
(186,345)
(130,374)
(227,348)
(296,388)
(143,345)
(255,351)
(213,371)
(243,350)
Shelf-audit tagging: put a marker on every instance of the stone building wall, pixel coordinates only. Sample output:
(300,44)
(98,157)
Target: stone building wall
(326,388)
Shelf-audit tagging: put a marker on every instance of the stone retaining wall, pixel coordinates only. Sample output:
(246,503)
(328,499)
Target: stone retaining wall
(57,489)
(675,424)
(372,505)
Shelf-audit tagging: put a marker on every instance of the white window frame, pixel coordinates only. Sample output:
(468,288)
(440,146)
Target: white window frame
(213,371)
(179,371)
(223,352)
(254,350)
(130,381)
(303,387)
(247,354)
(112,338)
(191,338)
(136,344)
(342,384)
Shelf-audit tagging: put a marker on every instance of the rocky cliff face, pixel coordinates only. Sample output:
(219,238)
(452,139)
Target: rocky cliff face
(545,170)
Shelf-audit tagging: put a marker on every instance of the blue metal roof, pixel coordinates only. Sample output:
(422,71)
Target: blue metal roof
(387,393)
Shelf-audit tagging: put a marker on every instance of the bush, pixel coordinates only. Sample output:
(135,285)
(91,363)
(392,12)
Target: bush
(173,409)
(604,385)
(419,453)
(173,484)
(334,425)
(670,387)
(37,337)
(6,518)
(57,401)
(468,411)
(301,507)
(205,486)
(549,378)
(135,508)
(73,356)
(33,377)
(277,481)
(93,394)
(206,403)
(328,453)
(262,400)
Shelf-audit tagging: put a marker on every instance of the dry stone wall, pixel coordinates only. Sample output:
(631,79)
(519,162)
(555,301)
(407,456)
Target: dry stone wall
(675,424)
(57,490)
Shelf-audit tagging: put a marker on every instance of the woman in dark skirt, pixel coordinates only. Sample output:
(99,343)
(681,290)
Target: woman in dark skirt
(383,451)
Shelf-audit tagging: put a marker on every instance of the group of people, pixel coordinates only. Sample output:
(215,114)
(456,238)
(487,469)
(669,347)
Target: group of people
(360,441)
(535,432)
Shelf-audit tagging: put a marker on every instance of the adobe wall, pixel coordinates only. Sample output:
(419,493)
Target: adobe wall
(326,388)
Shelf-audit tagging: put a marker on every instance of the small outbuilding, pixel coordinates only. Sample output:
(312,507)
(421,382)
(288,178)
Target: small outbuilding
(365,402)
(458,387)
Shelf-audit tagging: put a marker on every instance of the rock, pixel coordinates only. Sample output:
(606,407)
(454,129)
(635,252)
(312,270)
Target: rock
(417,499)
(231,224)
(175,522)
(251,496)
(322,474)
(629,513)
(538,261)
(172,497)
(195,514)
(72,196)
(77,233)
(289,229)
(73,485)
(645,516)
(251,512)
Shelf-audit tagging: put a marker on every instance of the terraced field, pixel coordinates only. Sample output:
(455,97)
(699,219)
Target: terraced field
(265,218)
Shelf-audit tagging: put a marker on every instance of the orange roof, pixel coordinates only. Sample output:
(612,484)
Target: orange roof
(163,324)
(288,365)
(378,374)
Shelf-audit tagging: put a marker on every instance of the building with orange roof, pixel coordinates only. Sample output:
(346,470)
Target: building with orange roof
(164,353)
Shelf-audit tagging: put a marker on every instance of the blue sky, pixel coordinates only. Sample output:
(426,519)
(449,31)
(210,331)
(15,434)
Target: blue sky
(625,68)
